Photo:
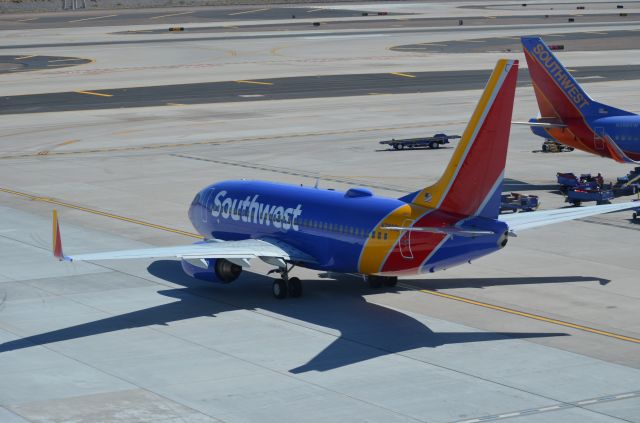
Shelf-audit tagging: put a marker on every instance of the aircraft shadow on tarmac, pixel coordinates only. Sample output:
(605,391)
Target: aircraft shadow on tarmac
(367,330)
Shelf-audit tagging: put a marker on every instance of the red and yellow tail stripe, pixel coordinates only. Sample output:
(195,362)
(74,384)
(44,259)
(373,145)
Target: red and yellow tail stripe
(472,176)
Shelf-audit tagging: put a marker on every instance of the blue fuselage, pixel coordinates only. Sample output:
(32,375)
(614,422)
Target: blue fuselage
(335,228)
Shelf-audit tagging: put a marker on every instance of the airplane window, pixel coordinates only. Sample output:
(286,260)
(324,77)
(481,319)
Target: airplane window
(385,236)
(379,235)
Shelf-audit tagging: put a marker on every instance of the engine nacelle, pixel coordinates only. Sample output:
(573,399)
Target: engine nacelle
(215,270)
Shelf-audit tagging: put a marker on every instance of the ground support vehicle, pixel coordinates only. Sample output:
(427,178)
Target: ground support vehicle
(516,202)
(570,180)
(553,146)
(424,142)
(577,196)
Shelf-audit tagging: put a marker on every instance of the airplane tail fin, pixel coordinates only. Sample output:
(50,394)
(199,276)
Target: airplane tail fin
(471,184)
(559,96)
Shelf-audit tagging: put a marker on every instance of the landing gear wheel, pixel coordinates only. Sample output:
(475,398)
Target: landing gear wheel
(279,288)
(433,145)
(295,287)
(391,281)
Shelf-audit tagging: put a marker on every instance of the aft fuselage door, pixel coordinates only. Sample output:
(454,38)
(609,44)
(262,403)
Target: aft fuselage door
(405,240)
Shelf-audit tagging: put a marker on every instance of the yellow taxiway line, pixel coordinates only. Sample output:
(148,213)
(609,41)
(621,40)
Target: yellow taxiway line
(406,75)
(425,291)
(242,81)
(525,314)
(98,212)
(94,93)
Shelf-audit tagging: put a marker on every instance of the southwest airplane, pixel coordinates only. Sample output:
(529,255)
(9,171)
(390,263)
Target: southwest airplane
(446,224)
(571,117)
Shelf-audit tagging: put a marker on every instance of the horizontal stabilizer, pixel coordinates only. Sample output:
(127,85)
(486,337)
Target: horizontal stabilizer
(541,124)
(522,221)
(447,230)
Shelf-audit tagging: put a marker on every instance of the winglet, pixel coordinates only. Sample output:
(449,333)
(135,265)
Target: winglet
(57,241)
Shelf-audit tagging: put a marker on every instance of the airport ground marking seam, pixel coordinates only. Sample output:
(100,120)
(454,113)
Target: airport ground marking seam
(525,314)
(98,212)
(426,291)
(560,406)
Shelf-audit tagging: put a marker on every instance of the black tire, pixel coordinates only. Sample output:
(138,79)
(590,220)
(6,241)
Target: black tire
(433,145)
(391,281)
(295,287)
(570,148)
(374,281)
(635,216)
(576,203)
(395,146)
(545,148)
(401,146)
(279,289)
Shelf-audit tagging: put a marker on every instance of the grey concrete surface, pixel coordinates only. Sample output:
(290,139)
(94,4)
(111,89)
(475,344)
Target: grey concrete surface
(141,341)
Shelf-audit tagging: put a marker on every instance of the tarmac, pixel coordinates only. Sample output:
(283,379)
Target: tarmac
(545,330)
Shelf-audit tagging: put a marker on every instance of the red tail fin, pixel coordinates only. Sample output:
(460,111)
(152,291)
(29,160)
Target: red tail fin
(472,182)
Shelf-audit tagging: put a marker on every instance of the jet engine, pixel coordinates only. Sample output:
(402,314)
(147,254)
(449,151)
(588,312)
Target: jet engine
(212,270)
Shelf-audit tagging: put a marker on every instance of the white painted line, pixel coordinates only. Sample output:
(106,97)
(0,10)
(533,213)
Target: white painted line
(314,10)
(554,407)
(587,402)
(65,60)
(625,396)
(246,11)
(250,95)
(335,37)
(504,416)
(173,14)
(89,19)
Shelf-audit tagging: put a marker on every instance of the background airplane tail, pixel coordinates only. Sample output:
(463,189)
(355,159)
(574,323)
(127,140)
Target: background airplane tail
(471,184)
(559,96)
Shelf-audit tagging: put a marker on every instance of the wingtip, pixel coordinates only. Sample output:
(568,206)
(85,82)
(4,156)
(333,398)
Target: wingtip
(57,241)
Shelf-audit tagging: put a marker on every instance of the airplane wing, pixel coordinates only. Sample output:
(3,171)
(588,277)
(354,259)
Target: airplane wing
(237,251)
(522,221)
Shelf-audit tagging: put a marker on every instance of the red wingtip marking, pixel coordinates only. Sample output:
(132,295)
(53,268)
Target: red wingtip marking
(57,241)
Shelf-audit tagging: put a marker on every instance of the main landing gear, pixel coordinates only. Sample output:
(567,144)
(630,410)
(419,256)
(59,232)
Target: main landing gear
(376,281)
(286,286)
